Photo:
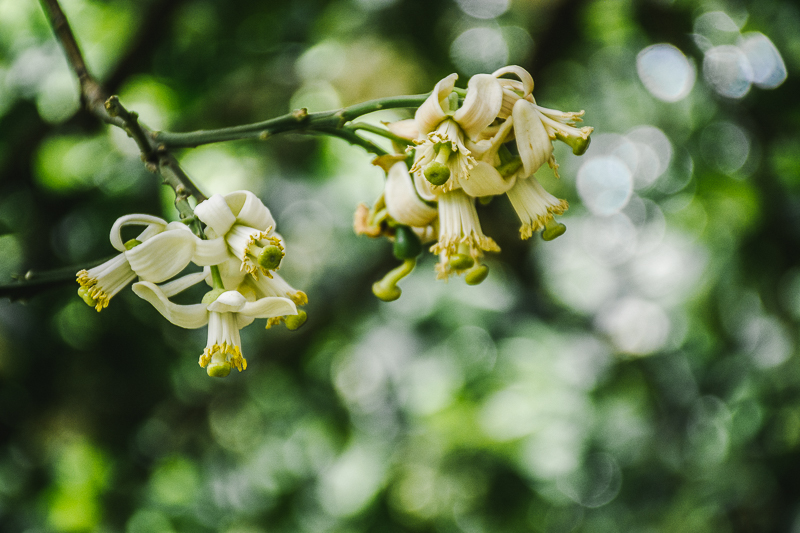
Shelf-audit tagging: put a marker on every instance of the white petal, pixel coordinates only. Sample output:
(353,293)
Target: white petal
(424,187)
(232,273)
(216,214)
(163,256)
(184,282)
(249,210)
(406,129)
(186,316)
(481,106)
(485,180)
(210,252)
(154,225)
(523,75)
(431,112)
(533,143)
(228,302)
(269,307)
(402,201)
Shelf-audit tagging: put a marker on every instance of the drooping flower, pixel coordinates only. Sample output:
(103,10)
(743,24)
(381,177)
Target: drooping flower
(536,207)
(247,227)
(536,127)
(461,240)
(160,252)
(225,312)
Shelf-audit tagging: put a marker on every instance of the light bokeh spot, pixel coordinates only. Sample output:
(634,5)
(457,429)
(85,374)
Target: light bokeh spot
(484,9)
(768,68)
(728,71)
(665,72)
(479,50)
(605,185)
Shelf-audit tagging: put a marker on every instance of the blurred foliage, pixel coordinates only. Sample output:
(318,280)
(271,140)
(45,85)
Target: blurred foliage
(638,374)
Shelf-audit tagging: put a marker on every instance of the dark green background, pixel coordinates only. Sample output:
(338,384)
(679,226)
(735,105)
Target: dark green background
(524,404)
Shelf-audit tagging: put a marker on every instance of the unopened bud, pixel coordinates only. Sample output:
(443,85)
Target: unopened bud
(578,144)
(461,261)
(387,289)
(406,243)
(131,244)
(293,322)
(476,275)
(218,370)
(553,229)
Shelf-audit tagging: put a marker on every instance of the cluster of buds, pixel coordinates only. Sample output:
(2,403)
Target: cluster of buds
(469,144)
(239,256)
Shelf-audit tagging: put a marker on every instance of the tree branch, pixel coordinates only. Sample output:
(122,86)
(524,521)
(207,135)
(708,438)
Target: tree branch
(298,121)
(110,110)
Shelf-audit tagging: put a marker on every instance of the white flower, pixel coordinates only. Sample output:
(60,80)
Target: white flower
(160,252)
(247,227)
(461,240)
(226,313)
(536,127)
(442,157)
(536,207)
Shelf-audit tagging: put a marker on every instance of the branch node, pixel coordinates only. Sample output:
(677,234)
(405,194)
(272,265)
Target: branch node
(300,114)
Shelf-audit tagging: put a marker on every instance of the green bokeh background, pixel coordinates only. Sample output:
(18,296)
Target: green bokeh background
(639,374)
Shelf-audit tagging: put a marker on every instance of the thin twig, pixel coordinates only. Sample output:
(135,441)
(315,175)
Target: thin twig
(296,121)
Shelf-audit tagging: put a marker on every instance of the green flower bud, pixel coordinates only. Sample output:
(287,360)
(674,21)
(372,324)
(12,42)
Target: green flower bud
(579,145)
(83,292)
(293,322)
(270,257)
(477,275)
(553,229)
(406,243)
(131,244)
(387,289)
(461,261)
(218,370)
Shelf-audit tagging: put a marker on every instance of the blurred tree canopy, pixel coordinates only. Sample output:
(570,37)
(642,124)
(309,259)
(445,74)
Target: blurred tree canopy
(638,374)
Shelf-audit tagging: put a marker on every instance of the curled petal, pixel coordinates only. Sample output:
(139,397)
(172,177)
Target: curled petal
(523,75)
(163,256)
(186,316)
(485,180)
(228,302)
(154,225)
(249,210)
(431,112)
(481,106)
(216,214)
(269,307)
(402,201)
(533,143)
(210,252)
(184,282)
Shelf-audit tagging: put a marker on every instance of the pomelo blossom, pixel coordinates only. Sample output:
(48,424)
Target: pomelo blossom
(159,252)
(225,312)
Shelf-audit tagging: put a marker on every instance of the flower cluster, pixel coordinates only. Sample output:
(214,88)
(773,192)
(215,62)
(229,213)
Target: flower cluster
(240,256)
(485,141)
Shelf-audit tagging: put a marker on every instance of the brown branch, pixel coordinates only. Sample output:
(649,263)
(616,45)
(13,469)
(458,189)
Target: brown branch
(111,111)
